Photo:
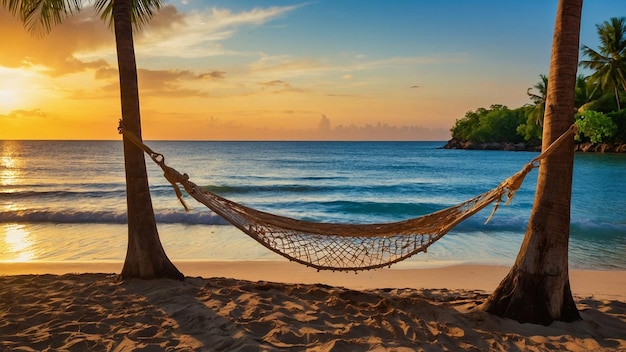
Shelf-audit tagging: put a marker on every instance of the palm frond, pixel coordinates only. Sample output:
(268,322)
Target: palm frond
(40,16)
(141,11)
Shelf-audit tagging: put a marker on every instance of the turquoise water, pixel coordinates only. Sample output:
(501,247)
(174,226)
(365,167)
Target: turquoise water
(65,200)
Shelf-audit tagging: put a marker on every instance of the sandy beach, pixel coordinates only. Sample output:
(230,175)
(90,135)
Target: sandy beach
(269,306)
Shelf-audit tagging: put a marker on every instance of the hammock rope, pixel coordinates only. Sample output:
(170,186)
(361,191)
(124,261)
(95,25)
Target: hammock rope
(344,247)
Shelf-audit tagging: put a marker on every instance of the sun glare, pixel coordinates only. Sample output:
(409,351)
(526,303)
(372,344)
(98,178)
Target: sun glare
(17,244)
(12,91)
(9,100)
(7,162)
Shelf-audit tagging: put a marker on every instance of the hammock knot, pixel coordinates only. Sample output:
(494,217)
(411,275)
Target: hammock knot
(510,186)
(159,159)
(174,177)
(513,183)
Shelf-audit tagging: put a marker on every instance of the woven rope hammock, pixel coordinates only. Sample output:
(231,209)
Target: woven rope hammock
(344,247)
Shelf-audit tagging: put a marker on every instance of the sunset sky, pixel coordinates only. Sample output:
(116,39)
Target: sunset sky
(284,70)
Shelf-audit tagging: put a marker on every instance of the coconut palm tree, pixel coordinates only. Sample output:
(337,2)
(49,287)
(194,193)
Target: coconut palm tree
(609,61)
(538,98)
(585,93)
(537,289)
(145,256)
(589,96)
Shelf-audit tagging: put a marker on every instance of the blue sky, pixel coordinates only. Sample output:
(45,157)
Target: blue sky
(272,69)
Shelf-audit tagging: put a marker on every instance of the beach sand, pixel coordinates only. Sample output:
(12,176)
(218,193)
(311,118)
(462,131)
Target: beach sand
(268,306)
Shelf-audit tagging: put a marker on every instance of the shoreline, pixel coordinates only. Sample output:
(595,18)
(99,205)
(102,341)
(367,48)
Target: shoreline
(599,284)
(585,147)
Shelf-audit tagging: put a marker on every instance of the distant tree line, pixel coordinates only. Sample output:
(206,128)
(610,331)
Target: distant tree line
(599,99)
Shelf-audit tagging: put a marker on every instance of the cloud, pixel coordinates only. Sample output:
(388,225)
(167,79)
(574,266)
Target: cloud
(164,21)
(379,131)
(225,18)
(334,95)
(213,75)
(157,83)
(105,73)
(83,41)
(20,114)
(196,34)
(277,86)
(54,54)
(287,65)
(152,83)
(214,128)
(168,83)
(324,124)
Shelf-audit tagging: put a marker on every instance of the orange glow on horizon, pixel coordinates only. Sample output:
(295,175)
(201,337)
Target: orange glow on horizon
(203,85)
(65,86)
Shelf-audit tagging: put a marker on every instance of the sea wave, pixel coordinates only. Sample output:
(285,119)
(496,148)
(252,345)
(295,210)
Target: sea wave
(240,189)
(315,189)
(579,228)
(382,210)
(107,217)
(501,223)
(56,194)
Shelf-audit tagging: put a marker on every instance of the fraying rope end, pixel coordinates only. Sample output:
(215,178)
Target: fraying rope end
(493,212)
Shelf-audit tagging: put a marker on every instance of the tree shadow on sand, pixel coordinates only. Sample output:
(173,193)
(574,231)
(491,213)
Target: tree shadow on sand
(97,312)
(318,317)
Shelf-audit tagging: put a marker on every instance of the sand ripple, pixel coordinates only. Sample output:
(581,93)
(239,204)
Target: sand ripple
(96,312)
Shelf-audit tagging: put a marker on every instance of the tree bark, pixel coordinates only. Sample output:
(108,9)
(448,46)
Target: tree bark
(537,288)
(145,256)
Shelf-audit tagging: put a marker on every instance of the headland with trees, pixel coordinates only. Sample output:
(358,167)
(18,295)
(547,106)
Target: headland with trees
(600,99)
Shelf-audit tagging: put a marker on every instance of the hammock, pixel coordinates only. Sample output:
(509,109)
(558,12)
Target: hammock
(344,247)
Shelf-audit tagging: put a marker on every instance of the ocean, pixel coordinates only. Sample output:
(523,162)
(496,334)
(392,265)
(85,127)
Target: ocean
(65,200)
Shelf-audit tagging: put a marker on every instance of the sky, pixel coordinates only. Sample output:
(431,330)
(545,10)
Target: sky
(284,70)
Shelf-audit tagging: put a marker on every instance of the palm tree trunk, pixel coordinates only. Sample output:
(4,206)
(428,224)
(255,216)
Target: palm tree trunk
(537,288)
(145,257)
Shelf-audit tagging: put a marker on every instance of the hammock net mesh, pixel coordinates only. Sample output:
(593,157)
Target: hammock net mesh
(344,247)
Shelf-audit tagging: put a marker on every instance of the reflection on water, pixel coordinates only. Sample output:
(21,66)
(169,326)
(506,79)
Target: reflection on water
(9,168)
(8,173)
(16,244)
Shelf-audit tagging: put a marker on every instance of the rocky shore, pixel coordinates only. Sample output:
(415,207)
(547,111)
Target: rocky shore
(580,147)
(469,145)
(601,148)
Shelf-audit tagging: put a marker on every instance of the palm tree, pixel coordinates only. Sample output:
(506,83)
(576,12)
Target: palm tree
(609,62)
(585,93)
(145,256)
(537,288)
(539,99)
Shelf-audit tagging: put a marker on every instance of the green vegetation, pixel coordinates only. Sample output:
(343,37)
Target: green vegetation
(595,125)
(599,98)
(496,124)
